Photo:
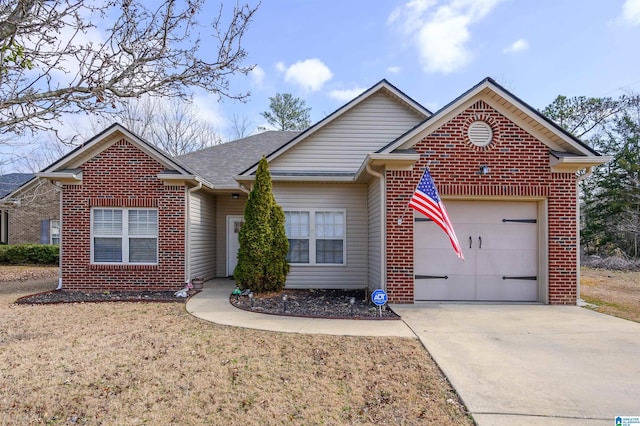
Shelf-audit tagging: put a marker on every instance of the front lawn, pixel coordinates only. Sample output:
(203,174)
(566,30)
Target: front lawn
(613,292)
(150,363)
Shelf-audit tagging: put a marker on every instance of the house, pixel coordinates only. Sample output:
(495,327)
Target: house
(135,218)
(29,210)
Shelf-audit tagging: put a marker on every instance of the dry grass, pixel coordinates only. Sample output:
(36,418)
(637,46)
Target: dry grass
(131,363)
(613,292)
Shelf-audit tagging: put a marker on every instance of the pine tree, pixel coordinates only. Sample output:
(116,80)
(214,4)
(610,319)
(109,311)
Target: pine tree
(262,264)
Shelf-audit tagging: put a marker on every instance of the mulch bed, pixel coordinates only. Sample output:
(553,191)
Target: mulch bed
(62,296)
(315,304)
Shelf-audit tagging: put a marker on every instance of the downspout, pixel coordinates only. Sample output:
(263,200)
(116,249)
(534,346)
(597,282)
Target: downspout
(383,226)
(187,234)
(587,173)
(59,185)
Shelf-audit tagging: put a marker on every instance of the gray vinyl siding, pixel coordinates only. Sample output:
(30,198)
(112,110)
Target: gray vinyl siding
(375,234)
(226,206)
(202,214)
(351,198)
(342,145)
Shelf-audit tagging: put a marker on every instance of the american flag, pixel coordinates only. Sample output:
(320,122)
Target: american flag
(426,200)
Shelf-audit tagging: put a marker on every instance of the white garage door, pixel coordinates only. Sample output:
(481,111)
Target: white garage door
(500,245)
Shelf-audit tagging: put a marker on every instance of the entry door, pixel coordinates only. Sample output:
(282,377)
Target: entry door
(500,244)
(234,223)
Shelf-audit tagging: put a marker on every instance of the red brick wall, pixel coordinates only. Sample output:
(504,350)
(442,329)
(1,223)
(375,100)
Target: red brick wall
(519,167)
(122,176)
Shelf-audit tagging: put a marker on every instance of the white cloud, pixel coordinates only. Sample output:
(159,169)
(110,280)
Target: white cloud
(631,12)
(347,94)
(257,76)
(281,67)
(439,29)
(208,109)
(310,74)
(519,45)
(394,69)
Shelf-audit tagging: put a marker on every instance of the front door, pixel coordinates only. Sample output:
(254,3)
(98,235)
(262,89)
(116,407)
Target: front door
(234,223)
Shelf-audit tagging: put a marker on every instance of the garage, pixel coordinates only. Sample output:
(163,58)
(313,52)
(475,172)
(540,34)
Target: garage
(499,240)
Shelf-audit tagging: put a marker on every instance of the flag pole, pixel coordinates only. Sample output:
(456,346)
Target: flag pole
(401,218)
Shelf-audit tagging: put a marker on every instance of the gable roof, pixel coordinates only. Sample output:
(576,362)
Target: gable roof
(12,181)
(66,168)
(382,85)
(218,164)
(530,119)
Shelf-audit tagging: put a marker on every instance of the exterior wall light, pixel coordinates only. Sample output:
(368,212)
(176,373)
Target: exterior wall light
(484,169)
(235,196)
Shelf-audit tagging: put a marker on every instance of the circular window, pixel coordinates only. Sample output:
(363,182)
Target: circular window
(480,133)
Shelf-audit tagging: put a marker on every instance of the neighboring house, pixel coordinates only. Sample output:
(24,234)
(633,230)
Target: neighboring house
(29,210)
(134,218)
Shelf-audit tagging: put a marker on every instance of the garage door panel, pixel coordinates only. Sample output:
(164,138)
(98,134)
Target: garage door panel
(505,236)
(458,287)
(440,262)
(509,248)
(489,212)
(495,288)
(430,235)
(507,262)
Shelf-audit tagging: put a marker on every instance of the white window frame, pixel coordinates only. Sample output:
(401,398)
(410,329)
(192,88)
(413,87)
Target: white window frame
(124,236)
(52,235)
(313,238)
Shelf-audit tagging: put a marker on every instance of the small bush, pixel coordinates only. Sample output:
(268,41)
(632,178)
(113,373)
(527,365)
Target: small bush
(29,254)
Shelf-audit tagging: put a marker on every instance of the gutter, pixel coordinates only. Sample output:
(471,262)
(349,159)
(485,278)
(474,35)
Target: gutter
(187,234)
(383,226)
(59,185)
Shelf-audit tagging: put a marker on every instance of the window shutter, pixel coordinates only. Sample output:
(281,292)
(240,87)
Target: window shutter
(44,231)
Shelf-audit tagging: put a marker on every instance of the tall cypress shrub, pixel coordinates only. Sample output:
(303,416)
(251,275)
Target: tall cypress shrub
(262,264)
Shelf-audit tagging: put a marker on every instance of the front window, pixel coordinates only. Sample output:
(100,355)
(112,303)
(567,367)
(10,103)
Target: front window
(297,227)
(54,232)
(316,237)
(127,236)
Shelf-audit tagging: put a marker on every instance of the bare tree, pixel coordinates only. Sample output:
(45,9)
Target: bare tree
(240,126)
(172,125)
(54,60)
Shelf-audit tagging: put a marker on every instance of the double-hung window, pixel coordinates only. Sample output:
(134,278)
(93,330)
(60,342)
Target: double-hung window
(54,232)
(316,237)
(124,235)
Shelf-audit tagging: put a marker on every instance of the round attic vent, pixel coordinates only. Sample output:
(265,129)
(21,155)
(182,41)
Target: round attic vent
(480,133)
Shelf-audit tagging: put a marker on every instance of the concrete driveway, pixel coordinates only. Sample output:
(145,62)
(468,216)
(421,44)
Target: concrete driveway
(533,364)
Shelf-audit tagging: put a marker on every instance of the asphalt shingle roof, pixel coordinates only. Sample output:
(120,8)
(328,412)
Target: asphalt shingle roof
(218,164)
(12,181)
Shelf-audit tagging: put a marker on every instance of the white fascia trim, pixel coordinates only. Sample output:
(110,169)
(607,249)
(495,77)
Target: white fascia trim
(62,177)
(389,161)
(574,164)
(179,179)
(309,178)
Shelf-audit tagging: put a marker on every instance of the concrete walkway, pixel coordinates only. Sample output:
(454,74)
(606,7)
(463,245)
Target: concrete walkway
(212,304)
(510,364)
(533,364)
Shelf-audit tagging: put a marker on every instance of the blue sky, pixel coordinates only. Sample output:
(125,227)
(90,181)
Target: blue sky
(326,52)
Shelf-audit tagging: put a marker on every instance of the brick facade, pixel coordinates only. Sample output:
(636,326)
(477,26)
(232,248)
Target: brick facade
(39,203)
(519,167)
(122,176)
